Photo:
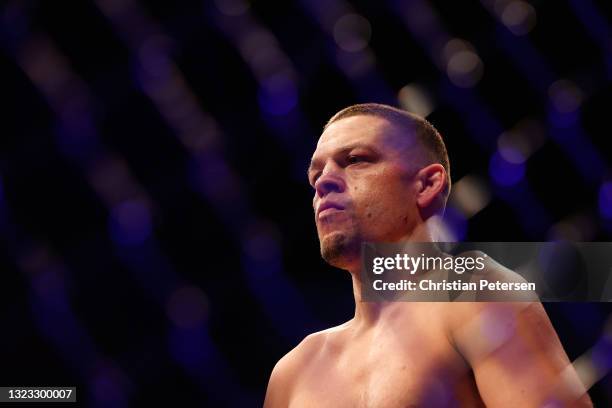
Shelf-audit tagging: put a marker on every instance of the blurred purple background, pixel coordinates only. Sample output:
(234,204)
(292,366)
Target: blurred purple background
(158,243)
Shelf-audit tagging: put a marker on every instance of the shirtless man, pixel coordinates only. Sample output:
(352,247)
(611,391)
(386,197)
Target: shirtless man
(380,175)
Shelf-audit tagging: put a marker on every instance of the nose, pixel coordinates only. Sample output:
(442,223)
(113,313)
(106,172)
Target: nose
(329,181)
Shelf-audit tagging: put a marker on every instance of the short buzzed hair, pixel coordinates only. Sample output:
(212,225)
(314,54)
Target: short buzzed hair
(426,133)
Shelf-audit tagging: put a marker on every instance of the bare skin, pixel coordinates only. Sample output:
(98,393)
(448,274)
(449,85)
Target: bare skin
(409,354)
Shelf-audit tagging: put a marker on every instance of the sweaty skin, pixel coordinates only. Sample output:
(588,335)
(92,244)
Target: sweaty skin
(377,187)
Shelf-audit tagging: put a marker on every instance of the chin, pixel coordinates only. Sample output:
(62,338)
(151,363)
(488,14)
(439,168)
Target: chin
(340,250)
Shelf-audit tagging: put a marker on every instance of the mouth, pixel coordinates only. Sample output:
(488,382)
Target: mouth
(328,208)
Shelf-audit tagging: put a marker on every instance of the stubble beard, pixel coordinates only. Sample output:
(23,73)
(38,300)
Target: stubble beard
(340,249)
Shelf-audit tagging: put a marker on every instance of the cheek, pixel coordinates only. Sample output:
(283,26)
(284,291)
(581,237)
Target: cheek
(385,202)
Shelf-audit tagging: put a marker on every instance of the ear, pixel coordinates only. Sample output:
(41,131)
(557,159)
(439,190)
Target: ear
(431,183)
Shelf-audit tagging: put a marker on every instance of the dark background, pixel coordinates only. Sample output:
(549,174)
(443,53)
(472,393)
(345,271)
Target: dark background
(158,243)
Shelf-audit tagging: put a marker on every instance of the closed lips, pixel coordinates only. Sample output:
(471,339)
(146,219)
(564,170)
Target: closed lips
(327,205)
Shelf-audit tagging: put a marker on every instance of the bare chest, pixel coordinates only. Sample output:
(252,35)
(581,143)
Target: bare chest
(388,373)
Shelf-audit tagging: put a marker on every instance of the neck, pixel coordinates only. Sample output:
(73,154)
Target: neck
(367,314)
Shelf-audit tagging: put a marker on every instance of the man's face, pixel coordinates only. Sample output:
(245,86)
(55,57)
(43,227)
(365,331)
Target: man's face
(362,172)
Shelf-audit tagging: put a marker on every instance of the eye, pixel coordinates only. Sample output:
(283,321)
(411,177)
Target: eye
(354,159)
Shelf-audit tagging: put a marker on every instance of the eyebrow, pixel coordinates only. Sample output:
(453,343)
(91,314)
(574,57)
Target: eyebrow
(315,162)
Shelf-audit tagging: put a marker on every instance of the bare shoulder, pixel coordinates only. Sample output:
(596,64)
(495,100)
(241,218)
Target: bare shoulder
(502,283)
(310,346)
(513,347)
(288,369)
(493,269)
(499,316)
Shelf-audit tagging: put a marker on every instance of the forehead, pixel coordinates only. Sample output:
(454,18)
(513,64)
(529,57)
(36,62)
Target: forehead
(374,131)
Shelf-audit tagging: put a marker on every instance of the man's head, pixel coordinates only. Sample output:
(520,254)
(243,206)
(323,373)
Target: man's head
(378,173)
